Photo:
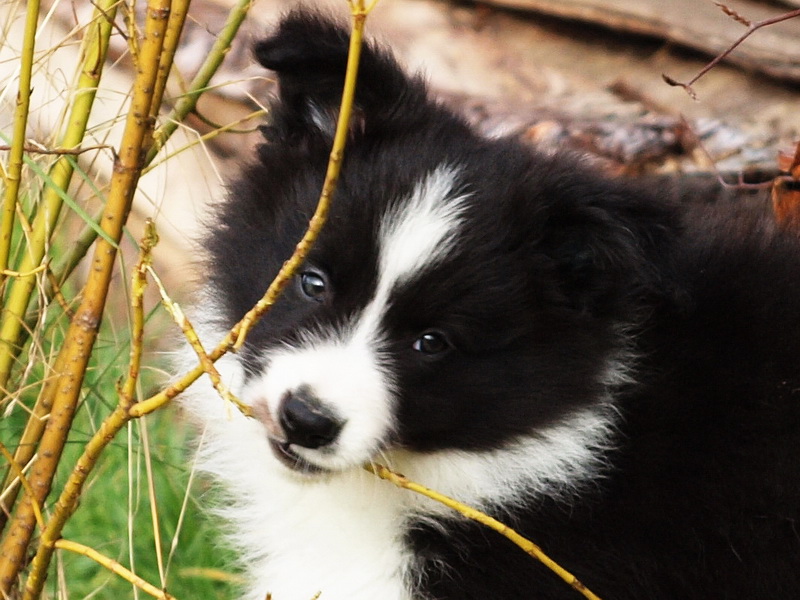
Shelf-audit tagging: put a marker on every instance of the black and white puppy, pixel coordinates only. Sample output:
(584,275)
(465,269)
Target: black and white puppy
(613,373)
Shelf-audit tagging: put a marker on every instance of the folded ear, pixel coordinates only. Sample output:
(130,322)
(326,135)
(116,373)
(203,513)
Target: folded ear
(308,52)
(611,248)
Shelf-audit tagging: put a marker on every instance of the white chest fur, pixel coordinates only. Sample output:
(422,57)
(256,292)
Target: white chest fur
(341,538)
(342,535)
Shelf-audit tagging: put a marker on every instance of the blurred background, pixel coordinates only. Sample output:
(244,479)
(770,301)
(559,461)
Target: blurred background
(580,74)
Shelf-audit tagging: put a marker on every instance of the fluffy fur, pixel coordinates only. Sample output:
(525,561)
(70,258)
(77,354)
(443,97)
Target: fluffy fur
(609,370)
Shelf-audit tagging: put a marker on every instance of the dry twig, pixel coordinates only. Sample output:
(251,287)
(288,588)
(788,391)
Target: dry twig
(751,29)
(476,515)
(114,567)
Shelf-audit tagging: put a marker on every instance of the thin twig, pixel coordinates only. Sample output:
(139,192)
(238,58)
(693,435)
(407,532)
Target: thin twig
(191,336)
(31,149)
(229,128)
(290,267)
(138,285)
(476,515)
(10,273)
(151,494)
(698,143)
(16,468)
(114,567)
(751,29)
(237,334)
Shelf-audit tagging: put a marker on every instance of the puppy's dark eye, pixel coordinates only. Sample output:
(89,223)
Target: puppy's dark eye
(431,343)
(313,285)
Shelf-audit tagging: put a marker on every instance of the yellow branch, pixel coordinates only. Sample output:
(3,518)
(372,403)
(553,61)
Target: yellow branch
(20,475)
(72,360)
(13,172)
(10,273)
(236,336)
(114,567)
(179,10)
(138,285)
(94,52)
(291,266)
(476,515)
(191,336)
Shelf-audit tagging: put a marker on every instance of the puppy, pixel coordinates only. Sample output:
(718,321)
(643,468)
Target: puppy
(611,372)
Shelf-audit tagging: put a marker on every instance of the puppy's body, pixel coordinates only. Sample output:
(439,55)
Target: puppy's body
(612,373)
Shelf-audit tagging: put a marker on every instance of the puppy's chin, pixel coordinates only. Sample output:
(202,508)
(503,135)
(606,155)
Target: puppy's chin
(290,459)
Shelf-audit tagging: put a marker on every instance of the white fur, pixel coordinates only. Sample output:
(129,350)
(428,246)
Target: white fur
(422,232)
(342,533)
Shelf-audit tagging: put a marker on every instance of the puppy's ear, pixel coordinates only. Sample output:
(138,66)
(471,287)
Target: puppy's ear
(612,248)
(308,52)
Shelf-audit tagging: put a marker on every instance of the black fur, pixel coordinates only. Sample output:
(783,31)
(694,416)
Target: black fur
(558,269)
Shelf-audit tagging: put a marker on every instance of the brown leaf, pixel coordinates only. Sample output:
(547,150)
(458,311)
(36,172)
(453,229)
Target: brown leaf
(786,202)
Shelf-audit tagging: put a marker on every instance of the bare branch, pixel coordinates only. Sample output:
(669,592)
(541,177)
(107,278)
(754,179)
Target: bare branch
(476,515)
(751,29)
(114,567)
(30,149)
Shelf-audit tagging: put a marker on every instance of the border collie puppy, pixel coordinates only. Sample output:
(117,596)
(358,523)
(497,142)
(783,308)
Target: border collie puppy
(612,372)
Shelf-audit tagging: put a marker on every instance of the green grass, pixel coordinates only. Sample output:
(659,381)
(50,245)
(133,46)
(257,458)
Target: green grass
(114,516)
(148,466)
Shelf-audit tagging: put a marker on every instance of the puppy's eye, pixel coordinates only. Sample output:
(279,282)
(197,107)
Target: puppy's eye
(431,343)
(313,285)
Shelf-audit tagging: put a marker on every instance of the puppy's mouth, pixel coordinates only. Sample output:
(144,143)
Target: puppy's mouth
(281,449)
(289,458)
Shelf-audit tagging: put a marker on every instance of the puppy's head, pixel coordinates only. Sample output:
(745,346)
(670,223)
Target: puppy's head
(465,293)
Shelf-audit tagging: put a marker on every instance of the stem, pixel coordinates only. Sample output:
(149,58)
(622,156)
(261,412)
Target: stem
(177,314)
(138,285)
(751,29)
(94,52)
(114,567)
(13,174)
(476,515)
(201,80)
(291,266)
(62,390)
(236,336)
(177,19)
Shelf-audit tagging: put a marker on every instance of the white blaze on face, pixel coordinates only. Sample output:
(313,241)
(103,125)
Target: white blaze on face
(344,369)
(413,238)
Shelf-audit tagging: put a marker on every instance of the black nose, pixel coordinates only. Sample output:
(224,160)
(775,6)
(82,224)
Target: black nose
(306,422)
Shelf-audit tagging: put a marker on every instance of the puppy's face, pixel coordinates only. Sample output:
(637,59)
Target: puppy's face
(464,293)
